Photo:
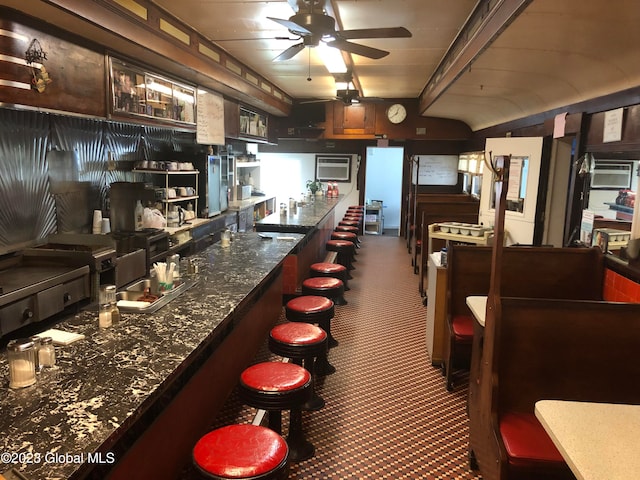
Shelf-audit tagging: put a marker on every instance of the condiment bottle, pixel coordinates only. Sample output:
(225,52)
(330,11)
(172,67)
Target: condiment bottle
(22,369)
(37,342)
(139,216)
(225,238)
(46,353)
(104,317)
(443,257)
(108,296)
(115,313)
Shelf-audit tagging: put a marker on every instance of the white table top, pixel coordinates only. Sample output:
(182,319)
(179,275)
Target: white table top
(598,440)
(478,306)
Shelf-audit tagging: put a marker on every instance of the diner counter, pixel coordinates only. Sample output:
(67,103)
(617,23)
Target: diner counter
(306,217)
(106,389)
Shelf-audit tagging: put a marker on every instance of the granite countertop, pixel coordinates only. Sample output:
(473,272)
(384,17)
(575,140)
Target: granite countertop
(102,385)
(249,202)
(306,218)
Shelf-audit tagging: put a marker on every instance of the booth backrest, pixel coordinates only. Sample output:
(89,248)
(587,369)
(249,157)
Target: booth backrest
(530,272)
(569,350)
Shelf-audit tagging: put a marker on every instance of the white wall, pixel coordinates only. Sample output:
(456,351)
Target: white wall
(285,175)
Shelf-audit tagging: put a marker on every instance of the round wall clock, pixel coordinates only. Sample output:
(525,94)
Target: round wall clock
(396,113)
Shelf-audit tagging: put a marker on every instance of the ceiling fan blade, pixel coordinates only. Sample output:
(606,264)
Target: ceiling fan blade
(372,99)
(317,100)
(255,38)
(396,32)
(290,52)
(358,49)
(292,26)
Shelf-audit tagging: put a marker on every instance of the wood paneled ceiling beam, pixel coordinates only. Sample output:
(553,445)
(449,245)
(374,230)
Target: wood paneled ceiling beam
(483,26)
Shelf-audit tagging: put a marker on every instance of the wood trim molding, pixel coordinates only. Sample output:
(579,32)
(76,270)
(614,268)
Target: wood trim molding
(483,26)
(132,28)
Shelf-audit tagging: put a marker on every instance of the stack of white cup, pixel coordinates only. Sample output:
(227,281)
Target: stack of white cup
(97,222)
(106,226)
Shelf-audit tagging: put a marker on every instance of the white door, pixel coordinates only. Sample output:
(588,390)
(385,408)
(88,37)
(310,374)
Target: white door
(522,193)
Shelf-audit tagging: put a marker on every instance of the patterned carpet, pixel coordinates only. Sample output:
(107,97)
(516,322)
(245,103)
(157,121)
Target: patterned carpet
(387,414)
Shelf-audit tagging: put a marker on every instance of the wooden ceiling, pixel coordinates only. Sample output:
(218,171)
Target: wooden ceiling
(553,53)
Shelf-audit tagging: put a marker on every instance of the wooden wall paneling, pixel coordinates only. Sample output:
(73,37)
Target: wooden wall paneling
(231,118)
(77,74)
(630,132)
(435,208)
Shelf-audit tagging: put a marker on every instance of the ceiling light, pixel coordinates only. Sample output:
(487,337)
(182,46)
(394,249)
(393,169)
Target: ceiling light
(332,58)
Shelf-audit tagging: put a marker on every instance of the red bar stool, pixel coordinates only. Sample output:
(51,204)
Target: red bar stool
(327,269)
(277,386)
(348,223)
(314,309)
(302,342)
(242,452)
(330,287)
(344,228)
(345,250)
(349,236)
(352,223)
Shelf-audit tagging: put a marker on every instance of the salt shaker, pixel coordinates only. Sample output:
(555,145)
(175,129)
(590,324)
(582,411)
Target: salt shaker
(104,317)
(22,368)
(46,353)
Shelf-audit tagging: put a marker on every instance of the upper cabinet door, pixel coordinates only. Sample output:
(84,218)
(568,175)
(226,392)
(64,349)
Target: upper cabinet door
(354,119)
(522,190)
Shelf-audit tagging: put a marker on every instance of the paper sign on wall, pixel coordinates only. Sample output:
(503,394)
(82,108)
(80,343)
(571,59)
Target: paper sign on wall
(209,118)
(613,125)
(515,178)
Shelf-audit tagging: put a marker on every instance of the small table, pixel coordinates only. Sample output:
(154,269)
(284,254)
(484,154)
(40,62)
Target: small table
(597,440)
(478,307)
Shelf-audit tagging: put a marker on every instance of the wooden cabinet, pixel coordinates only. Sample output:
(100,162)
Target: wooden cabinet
(354,119)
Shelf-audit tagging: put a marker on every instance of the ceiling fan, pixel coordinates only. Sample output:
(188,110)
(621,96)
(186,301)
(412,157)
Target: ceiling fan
(348,96)
(313,28)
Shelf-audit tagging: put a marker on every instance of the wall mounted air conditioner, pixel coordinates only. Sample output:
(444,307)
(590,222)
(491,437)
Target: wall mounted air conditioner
(336,168)
(611,175)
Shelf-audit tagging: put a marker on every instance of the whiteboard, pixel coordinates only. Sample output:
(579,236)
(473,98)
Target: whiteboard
(209,118)
(436,170)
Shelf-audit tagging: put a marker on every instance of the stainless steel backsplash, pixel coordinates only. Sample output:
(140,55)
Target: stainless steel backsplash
(55,170)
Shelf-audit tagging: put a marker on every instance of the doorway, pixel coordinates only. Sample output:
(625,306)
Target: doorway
(383,183)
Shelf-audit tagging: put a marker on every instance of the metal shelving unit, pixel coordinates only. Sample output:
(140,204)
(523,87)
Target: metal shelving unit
(373,218)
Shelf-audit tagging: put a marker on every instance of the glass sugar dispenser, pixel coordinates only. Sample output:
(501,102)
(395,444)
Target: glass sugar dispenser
(22,363)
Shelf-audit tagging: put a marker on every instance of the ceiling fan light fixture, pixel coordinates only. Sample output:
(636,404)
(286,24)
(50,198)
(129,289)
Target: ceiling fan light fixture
(332,58)
(348,96)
